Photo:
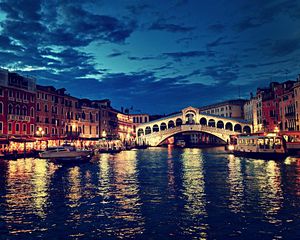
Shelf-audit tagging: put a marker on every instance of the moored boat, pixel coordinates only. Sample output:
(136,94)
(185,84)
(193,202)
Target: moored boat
(270,146)
(65,152)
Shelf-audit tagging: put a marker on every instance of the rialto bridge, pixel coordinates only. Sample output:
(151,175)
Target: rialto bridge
(190,120)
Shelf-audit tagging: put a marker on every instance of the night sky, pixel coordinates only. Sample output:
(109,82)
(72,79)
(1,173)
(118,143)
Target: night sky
(154,56)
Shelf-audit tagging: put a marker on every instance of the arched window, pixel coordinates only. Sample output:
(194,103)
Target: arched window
(140,132)
(31,112)
(155,128)
(247,129)
(24,111)
(17,110)
(148,130)
(46,108)
(237,128)
(83,115)
(163,126)
(171,124)
(24,128)
(10,109)
(211,123)
(178,122)
(220,124)
(203,121)
(228,126)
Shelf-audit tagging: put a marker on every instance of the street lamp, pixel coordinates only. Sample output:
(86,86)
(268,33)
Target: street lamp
(40,132)
(104,134)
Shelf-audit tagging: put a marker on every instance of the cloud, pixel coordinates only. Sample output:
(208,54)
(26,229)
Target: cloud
(219,42)
(116,53)
(178,56)
(285,47)
(162,25)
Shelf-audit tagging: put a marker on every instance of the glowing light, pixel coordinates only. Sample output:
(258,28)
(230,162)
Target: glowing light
(231,147)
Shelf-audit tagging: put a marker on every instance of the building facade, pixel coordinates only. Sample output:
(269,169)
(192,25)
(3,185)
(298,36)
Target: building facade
(17,104)
(88,125)
(108,120)
(231,109)
(125,125)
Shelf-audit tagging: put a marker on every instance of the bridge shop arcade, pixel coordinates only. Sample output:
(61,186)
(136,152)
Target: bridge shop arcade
(190,120)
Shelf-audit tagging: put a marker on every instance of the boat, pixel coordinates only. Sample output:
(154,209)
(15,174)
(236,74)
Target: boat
(180,143)
(65,152)
(269,146)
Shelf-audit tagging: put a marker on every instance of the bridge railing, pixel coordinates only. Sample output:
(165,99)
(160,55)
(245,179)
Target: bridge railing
(191,127)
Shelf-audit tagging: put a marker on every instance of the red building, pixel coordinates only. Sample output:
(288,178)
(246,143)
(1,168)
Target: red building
(17,104)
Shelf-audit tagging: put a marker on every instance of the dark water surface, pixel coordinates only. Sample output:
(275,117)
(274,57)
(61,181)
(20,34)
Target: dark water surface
(157,193)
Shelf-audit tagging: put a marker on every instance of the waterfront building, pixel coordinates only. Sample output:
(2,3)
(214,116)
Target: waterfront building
(50,112)
(250,112)
(287,107)
(125,127)
(138,119)
(231,108)
(88,125)
(297,102)
(17,108)
(108,120)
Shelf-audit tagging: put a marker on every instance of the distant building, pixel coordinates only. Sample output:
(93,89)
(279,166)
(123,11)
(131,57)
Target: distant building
(50,112)
(231,108)
(108,120)
(88,125)
(125,125)
(250,112)
(17,104)
(138,119)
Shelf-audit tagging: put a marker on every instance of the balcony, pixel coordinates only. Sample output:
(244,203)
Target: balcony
(290,115)
(11,117)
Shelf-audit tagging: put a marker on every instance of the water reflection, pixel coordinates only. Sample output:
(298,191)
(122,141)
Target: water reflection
(151,194)
(27,185)
(268,184)
(119,182)
(194,193)
(236,186)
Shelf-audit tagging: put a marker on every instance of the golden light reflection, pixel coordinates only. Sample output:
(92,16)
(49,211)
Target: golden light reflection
(267,181)
(74,191)
(171,177)
(40,187)
(119,178)
(194,192)
(27,183)
(235,179)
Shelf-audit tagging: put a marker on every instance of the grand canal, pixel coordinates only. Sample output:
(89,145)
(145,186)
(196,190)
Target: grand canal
(157,193)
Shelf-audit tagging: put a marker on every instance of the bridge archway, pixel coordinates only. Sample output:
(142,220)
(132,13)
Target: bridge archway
(238,128)
(220,124)
(140,132)
(147,130)
(171,124)
(203,121)
(155,128)
(193,131)
(228,126)
(163,126)
(246,129)
(211,123)
(178,122)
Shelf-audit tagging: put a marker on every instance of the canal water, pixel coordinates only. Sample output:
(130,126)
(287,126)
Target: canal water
(156,193)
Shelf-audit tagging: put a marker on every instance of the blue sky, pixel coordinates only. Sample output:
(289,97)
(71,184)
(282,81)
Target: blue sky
(154,56)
